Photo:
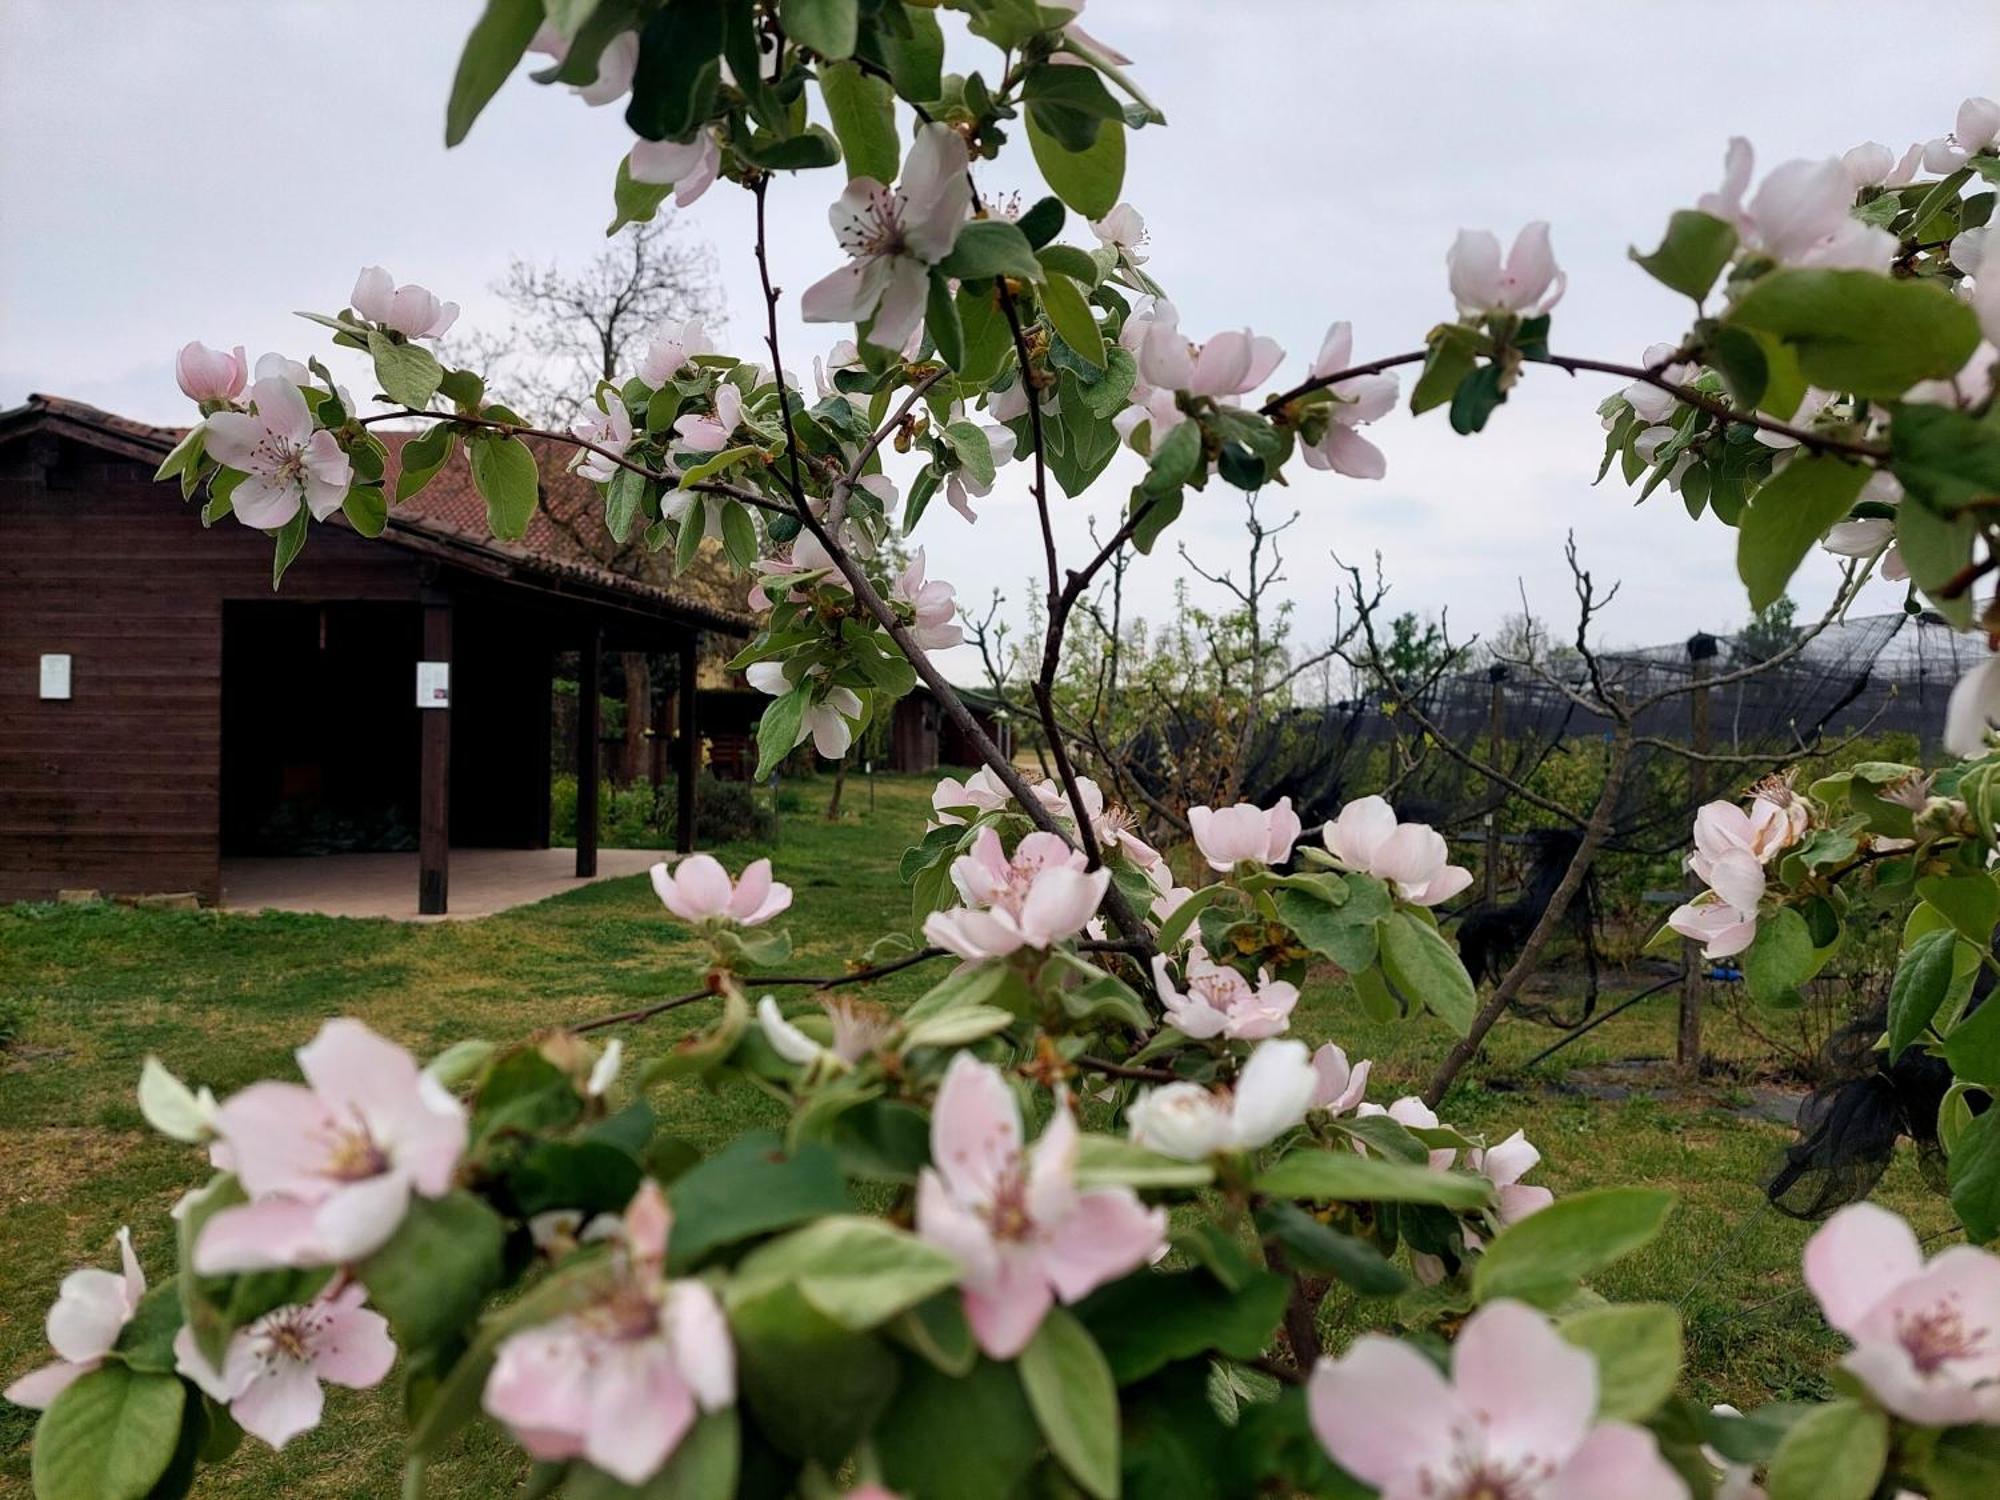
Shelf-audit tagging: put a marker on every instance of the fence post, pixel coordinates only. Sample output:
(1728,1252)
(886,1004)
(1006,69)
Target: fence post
(1496,737)
(1701,650)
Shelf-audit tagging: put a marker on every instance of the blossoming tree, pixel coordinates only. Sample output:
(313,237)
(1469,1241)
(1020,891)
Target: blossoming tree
(1074,1220)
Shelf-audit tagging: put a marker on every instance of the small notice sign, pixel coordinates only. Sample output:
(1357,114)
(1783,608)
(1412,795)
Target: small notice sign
(433,684)
(55,676)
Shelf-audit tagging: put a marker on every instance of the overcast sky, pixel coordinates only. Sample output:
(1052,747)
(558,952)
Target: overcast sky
(189,170)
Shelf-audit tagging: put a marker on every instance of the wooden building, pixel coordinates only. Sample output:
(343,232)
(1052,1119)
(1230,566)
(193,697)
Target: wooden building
(161,706)
(922,738)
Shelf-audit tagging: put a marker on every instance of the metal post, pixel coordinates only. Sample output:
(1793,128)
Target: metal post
(1496,738)
(589,730)
(1701,651)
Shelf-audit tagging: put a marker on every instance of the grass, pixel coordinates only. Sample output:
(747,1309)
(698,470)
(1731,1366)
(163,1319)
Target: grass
(223,1000)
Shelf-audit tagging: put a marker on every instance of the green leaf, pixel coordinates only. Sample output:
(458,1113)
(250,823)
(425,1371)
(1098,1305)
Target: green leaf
(858,1272)
(1345,933)
(1637,1347)
(1945,456)
(749,1188)
(499,39)
(1972,1046)
(814,1387)
(1062,300)
(941,321)
(826,26)
(975,452)
(1971,903)
(1325,1251)
(1857,331)
(437,1268)
(1696,248)
(366,509)
(778,729)
(504,473)
(1043,222)
(1835,1452)
(1541,1259)
(408,373)
(593,1177)
(1176,460)
(1070,104)
(863,112)
(1113,1161)
(1144,1323)
(1779,959)
(632,201)
(988,341)
(811,148)
(1922,979)
(1075,1401)
(1343,1177)
(422,457)
(186,455)
(679,71)
(1974,1176)
(1787,516)
(715,463)
(1965,1465)
(991,247)
(1451,356)
(1426,970)
(915,60)
(970,1438)
(1934,548)
(291,541)
(1088,181)
(109,1435)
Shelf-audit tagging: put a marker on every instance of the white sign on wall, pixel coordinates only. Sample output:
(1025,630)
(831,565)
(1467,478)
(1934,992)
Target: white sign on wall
(433,684)
(55,676)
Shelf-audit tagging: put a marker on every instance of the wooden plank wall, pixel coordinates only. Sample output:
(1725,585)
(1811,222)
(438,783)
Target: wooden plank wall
(117,789)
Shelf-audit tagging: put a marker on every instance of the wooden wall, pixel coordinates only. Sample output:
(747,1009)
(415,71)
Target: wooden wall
(118,788)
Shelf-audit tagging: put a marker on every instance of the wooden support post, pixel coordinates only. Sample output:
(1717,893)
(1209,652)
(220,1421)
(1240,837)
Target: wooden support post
(687,759)
(660,762)
(1495,740)
(434,775)
(589,748)
(1701,651)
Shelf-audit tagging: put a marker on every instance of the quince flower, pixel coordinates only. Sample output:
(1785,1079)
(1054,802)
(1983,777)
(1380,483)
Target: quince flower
(1014,1217)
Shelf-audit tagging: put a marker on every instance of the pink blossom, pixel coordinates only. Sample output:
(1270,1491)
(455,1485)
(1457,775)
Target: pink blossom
(698,889)
(1973,709)
(1800,214)
(610,430)
(1976,129)
(616,64)
(933,603)
(982,792)
(1245,834)
(90,1312)
(1504,1166)
(1219,1001)
(809,562)
(1528,282)
(288,461)
(271,1372)
(1015,1218)
(1413,857)
(1514,1419)
(1926,1335)
(330,1165)
(689,167)
(409,309)
(1124,231)
(670,349)
(1872,164)
(620,1382)
(894,236)
(711,434)
(1038,897)
(1229,364)
(1341,1087)
(1190,1123)
(1357,402)
(961,485)
(1720,928)
(207,374)
(860,1027)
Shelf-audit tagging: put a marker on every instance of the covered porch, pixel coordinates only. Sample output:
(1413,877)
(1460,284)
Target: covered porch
(483,881)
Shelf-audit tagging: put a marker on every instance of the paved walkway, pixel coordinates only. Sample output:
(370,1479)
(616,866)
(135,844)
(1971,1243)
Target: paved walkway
(482,881)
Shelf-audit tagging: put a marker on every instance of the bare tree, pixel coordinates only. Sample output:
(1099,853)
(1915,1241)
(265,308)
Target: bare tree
(570,329)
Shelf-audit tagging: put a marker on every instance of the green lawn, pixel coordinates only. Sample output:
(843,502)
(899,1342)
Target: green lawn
(222,999)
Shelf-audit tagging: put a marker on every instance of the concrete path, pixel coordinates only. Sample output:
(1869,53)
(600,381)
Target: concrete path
(483,881)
